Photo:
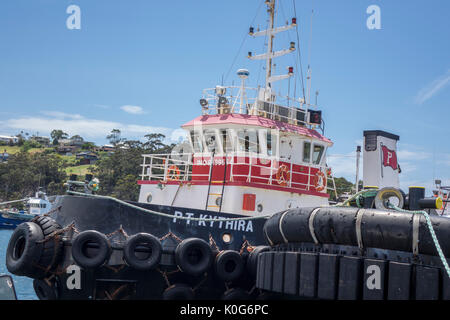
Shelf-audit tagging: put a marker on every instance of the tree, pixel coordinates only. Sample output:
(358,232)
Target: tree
(57,135)
(114,137)
(25,172)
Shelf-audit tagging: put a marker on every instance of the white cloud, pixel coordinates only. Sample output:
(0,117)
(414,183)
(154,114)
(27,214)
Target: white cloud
(132,109)
(433,88)
(412,155)
(344,165)
(92,129)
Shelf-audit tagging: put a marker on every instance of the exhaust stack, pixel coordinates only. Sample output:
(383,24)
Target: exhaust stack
(380,162)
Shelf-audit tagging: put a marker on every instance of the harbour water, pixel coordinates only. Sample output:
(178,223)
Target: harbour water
(23,285)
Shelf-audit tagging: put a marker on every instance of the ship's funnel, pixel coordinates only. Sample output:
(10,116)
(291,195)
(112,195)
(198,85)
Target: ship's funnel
(380,163)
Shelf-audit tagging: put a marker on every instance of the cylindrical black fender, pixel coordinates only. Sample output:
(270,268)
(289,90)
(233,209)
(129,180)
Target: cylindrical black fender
(91,249)
(336,225)
(252,260)
(178,291)
(142,251)
(24,250)
(193,256)
(235,294)
(295,225)
(387,230)
(45,289)
(229,265)
(271,229)
(441,227)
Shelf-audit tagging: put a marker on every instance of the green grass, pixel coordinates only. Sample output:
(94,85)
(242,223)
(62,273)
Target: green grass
(79,170)
(16,149)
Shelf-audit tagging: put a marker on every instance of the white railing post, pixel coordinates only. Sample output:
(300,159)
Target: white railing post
(290,176)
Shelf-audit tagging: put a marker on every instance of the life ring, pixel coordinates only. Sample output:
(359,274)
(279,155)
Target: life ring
(319,186)
(173,173)
(91,249)
(142,251)
(283,175)
(229,265)
(193,256)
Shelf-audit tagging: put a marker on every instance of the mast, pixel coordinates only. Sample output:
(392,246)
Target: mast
(271,10)
(270,54)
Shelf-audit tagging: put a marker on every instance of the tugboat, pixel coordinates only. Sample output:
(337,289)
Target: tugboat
(240,211)
(201,209)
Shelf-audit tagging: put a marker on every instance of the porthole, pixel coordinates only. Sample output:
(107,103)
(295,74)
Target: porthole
(227,238)
(149,198)
(218,201)
(259,207)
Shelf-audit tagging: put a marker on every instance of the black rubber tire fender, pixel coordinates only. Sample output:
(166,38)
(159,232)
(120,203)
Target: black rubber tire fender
(91,239)
(193,256)
(229,265)
(44,290)
(24,250)
(235,294)
(52,249)
(141,241)
(252,260)
(178,291)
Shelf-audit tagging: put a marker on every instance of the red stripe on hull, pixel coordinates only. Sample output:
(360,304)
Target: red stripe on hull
(242,184)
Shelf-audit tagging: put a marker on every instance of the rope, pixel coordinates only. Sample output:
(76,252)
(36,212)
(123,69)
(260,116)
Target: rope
(166,215)
(433,234)
(367,193)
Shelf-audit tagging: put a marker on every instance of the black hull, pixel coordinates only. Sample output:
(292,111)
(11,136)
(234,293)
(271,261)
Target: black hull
(118,221)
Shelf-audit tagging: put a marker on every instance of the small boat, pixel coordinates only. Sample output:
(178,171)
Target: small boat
(37,205)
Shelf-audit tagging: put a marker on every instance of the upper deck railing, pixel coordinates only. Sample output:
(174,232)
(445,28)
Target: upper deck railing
(246,100)
(239,168)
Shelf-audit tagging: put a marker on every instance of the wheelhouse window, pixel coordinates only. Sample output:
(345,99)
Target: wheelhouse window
(226,140)
(317,153)
(307,152)
(196,139)
(248,141)
(211,141)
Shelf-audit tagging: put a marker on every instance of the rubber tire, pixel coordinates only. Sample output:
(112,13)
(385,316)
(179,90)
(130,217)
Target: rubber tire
(44,291)
(104,250)
(178,291)
(252,260)
(24,250)
(224,258)
(235,294)
(129,251)
(52,250)
(185,249)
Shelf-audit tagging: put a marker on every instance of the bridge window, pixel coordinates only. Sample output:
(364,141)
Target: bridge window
(317,153)
(196,141)
(307,152)
(211,142)
(226,140)
(248,141)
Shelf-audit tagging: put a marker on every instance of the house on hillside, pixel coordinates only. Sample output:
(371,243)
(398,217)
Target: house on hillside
(45,141)
(87,157)
(9,139)
(107,148)
(67,150)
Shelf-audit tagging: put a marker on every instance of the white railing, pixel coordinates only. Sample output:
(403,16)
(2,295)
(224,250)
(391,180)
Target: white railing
(164,167)
(232,99)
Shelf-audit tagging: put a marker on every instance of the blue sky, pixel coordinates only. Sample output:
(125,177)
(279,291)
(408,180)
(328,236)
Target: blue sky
(141,66)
